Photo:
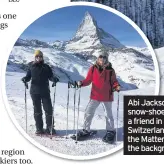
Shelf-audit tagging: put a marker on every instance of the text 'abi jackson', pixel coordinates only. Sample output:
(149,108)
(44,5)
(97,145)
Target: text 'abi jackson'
(144,102)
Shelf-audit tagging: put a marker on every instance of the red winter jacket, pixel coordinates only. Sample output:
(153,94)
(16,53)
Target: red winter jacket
(103,82)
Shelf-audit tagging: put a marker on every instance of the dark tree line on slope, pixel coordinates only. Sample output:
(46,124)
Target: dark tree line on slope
(147,14)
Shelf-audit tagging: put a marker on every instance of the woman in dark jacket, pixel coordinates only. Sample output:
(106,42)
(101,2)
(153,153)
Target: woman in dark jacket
(40,73)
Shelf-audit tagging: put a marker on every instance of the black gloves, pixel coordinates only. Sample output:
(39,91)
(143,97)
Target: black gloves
(55,80)
(79,84)
(75,84)
(24,80)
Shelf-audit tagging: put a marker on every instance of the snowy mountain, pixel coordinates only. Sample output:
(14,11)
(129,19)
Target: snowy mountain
(133,67)
(89,36)
(147,14)
(59,45)
(143,50)
(67,66)
(134,70)
(33,43)
(71,59)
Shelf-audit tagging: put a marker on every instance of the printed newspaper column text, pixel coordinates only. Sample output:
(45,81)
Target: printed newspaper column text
(144,125)
(4,18)
(14,156)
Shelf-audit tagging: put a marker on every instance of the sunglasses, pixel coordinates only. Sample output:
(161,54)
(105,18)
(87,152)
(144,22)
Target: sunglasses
(101,56)
(39,56)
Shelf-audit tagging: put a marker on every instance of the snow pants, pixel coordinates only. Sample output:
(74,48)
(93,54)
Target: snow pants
(47,106)
(90,111)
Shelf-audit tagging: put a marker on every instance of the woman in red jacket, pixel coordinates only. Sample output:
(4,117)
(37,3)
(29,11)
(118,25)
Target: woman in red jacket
(103,79)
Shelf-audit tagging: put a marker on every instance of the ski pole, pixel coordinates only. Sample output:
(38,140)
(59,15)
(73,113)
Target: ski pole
(26,87)
(74,107)
(53,85)
(117,117)
(78,110)
(67,109)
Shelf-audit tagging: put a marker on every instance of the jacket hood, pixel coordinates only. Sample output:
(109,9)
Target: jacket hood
(107,64)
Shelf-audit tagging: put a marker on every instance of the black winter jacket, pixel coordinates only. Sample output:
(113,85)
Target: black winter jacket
(39,74)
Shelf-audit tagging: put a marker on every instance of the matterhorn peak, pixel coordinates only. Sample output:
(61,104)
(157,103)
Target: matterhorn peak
(88,16)
(87,26)
(90,35)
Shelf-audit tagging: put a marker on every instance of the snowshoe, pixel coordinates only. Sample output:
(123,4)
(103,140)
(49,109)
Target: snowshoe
(39,132)
(109,137)
(48,131)
(83,135)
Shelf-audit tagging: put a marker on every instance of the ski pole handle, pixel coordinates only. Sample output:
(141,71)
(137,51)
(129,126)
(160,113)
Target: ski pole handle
(69,85)
(76,84)
(115,90)
(73,85)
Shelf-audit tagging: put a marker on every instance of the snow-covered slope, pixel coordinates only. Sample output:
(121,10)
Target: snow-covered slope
(59,45)
(74,66)
(89,36)
(143,50)
(159,52)
(67,66)
(134,70)
(133,67)
(59,143)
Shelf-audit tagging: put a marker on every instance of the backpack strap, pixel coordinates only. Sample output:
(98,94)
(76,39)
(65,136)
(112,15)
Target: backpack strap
(93,67)
(110,81)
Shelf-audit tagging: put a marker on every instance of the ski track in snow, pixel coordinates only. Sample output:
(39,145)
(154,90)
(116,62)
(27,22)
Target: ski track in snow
(15,93)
